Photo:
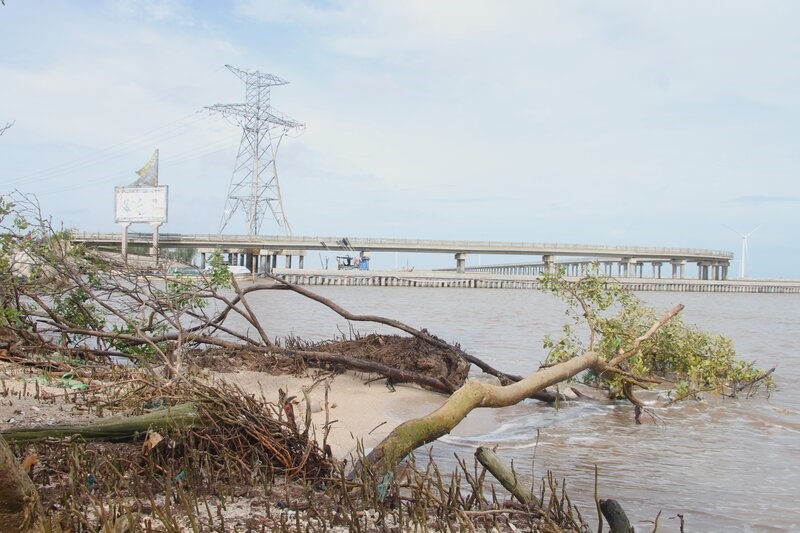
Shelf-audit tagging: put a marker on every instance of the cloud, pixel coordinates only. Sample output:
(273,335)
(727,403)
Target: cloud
(622,121)
(756,200)
(158,11)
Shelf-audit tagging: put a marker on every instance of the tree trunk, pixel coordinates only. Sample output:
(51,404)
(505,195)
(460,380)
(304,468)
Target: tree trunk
(412,434)
(20,509)
(120,427)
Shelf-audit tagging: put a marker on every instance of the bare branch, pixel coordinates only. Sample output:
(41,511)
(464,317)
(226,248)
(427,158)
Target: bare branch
(251,316)
(422,335)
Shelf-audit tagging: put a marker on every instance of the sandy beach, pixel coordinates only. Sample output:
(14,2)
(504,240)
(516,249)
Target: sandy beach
(357,409)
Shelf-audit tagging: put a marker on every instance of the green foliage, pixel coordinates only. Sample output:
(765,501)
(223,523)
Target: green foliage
(76,308)
(684,358)
(148,353)
(220,276)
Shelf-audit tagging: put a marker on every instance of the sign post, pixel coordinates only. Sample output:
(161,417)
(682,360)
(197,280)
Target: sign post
(125,241)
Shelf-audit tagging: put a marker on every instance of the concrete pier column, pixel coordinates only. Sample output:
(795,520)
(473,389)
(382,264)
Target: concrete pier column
(461,259)
(549,263)
(657,269)
(249,262)
(702,270)
(274,261)
(725,271)
(202,260)
(627,266)
(300,261)
(678,266)
(288,260)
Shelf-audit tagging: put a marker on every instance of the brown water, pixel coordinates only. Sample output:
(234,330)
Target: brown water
(731,465)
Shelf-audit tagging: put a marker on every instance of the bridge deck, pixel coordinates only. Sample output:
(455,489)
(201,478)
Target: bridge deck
(278,242)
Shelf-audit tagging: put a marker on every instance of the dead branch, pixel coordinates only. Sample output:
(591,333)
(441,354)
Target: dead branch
(617,519)
(393,374)
(420,334)
(750,383)
(505,476)
(251,316)
(120,427)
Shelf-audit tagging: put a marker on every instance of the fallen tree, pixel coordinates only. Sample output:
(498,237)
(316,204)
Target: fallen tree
(412,434)
(56,297)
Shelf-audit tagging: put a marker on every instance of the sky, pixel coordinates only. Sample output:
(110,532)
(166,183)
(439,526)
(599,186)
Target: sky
(661,123)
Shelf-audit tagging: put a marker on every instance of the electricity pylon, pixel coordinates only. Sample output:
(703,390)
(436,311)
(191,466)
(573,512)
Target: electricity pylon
(254,185)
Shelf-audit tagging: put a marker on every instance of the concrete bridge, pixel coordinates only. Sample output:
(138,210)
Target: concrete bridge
(260,252)
(620,267)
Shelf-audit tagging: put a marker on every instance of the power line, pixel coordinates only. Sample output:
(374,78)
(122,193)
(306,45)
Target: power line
(169,130)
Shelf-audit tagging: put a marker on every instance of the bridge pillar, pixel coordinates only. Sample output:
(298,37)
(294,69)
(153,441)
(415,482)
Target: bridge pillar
(288,260)
(678,266)
(657,269)
(627,267)
(549,263)
(274,261)
(724,268)
(300,261)
(702,270)
(461,259)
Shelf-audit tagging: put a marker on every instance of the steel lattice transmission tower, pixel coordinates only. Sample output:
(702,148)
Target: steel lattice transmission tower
(254,185)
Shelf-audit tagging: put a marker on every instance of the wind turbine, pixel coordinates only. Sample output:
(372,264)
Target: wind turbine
(744,237)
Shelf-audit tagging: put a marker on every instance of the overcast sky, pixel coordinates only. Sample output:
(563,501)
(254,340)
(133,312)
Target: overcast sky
(637,123)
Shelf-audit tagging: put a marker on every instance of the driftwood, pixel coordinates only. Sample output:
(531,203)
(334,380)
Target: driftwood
(119,427)
(617,519)
(505,476)
(20,509)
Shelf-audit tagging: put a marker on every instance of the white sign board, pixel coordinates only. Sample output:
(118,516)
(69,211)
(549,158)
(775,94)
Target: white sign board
(140,204)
